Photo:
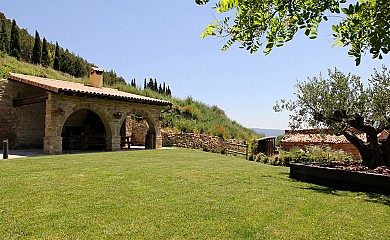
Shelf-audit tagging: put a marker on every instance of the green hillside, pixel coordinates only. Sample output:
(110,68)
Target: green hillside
(186,115)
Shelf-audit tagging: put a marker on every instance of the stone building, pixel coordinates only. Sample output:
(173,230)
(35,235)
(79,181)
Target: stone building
(45,113)
(312,137)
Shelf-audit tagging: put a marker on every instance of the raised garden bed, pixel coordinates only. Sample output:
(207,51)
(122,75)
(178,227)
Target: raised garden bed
(341,178)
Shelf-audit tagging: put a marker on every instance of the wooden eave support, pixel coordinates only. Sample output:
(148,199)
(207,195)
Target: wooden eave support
(29,100)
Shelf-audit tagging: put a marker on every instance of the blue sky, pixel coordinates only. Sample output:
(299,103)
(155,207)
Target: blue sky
(160,39)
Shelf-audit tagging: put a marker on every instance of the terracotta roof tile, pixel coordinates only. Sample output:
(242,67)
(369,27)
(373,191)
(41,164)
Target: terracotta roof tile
(317,138)
(58,86)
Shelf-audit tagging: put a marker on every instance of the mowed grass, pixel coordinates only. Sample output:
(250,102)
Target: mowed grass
(176,194)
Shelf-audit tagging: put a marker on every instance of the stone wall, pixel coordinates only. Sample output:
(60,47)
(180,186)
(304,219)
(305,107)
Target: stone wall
(139,130)
(23,125)
(136,130)
(40,125)
(197,141)
(105,109)
(346,147)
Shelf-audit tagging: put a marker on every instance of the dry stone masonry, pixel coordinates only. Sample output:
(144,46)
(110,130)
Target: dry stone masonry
(35,110)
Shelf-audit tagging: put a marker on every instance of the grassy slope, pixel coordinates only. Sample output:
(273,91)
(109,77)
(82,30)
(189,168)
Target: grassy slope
(176,194)
(187,115)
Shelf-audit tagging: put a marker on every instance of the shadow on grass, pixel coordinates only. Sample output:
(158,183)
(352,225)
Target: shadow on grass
(367,196)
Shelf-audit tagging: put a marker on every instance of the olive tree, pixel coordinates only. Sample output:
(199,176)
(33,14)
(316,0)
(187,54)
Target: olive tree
(363,25)
(343,104)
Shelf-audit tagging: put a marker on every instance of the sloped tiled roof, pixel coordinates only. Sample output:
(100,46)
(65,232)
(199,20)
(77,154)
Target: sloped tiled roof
(59,86)
(317,138)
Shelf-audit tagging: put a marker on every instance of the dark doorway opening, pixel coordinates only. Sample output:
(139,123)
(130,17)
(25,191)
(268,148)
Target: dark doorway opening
(84,130)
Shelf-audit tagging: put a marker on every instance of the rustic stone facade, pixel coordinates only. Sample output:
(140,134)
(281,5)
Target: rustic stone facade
(312,137)
(23,125)
(105,110)
(37,125)
(136,130)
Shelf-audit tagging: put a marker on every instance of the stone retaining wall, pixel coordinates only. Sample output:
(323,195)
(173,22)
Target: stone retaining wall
(198,141)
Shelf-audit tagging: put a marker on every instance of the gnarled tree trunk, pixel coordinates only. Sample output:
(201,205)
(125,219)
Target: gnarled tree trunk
(373,153)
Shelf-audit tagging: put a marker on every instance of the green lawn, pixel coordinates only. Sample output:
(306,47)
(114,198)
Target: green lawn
(176,194)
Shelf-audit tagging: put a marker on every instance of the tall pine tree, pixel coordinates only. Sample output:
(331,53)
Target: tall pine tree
(45,54)
(4,39)
(79,67)
(155,86)
(15,49)
(150,84)
(57,58)
(37,50)
(133,84)
(169,93)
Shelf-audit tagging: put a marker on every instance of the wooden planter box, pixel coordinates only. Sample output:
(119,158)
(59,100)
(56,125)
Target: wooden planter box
(341,179)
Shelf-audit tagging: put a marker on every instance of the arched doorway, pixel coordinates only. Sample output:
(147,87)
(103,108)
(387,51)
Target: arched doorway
(83,130)
(137,130)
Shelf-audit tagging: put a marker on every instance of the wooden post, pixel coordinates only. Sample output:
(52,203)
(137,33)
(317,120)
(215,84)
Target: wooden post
(247,146)
(5,149)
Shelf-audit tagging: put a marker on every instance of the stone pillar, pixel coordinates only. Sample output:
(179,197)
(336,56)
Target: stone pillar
(52,141)
(113,143)
(52,145)
(159,141)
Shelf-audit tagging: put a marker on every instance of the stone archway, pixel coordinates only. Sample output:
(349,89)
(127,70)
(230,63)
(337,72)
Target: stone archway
(146,126)
(82,130)
(59,107)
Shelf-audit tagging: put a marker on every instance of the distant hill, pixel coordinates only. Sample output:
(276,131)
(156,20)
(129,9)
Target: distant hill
(269,132)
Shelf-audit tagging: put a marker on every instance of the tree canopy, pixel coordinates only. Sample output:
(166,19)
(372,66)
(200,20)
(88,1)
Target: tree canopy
(45,61)
(15,48)
(342,104)
(364,25)
(37,50)
(4,39)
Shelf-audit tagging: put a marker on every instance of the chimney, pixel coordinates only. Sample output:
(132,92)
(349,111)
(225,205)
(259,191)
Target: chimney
(96,77)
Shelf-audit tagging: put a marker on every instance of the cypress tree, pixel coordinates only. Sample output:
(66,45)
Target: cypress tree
(57,58)
(150,84)
(45,61)
(66,63)
(160,89)
(155,86)
(4,39)
(15,48)
(37,50)
(145,83)
(79,68)
(164,90)
(169,91)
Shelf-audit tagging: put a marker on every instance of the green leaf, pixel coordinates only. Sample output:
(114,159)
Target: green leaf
(345,10)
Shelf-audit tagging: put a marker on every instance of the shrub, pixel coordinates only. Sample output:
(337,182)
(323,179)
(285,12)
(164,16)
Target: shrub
(296,155)
(262,158)
(327,154)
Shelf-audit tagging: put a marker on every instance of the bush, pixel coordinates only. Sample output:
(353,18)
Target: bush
(296,155)
(327,154)
(261,157)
